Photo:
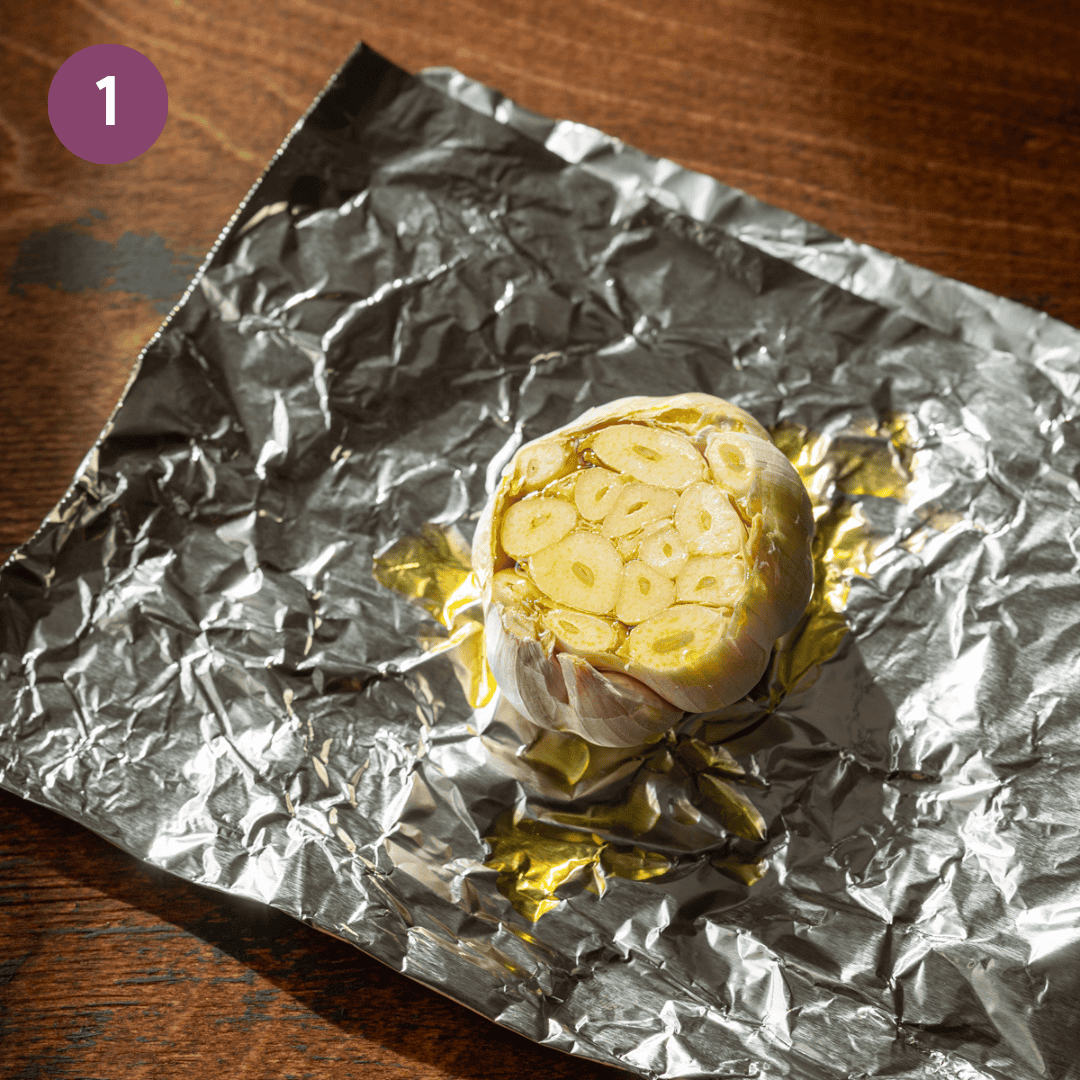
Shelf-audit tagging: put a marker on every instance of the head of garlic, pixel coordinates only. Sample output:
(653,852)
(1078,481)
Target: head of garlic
(639,563)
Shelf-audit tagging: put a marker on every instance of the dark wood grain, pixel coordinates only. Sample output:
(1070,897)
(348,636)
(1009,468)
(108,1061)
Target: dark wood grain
(109,968)
(944,131)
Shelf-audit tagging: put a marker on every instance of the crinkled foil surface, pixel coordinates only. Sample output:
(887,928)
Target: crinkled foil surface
(245,646)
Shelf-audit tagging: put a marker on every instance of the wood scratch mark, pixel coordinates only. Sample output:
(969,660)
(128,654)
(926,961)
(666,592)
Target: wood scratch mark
(326,12)
(214,132)
(247,29)
(30,53)
(16,167)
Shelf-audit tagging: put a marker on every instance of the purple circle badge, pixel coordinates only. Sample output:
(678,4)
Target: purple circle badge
(108,104)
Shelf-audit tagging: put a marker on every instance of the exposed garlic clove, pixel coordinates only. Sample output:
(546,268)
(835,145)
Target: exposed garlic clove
(707,522)
(665,551)
(643,592)
(651,455)
(717,580)
(533,524)
(688,655)
(512,589)
(578,632)
(732,459)
(636,506)
(583,571)
(538,463)
(595,492)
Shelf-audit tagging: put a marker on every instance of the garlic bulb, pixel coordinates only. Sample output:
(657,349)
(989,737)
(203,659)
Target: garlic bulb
(640,563)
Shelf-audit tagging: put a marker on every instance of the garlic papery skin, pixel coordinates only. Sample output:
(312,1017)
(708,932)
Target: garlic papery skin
(565,692)
(730,562)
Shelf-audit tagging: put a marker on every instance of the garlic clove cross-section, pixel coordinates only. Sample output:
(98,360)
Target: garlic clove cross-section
(639,563)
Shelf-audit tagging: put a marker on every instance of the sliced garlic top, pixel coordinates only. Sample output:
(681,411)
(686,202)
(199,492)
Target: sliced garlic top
(580,633)
(651,455)
(664,550)
(637,505)
(582,571)
(712,579)
(639,563)
(707,521)
(676,639)
(731,459)
(534,524)
(595,492)
(643,591)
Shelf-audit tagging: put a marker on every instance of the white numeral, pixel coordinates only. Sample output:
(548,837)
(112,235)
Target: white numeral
(108,84)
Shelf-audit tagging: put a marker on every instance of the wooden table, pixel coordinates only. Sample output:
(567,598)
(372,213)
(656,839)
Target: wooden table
(944,131)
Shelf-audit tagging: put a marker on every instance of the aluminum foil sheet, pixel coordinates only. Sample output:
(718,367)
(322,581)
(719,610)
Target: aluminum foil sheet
(245,647)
